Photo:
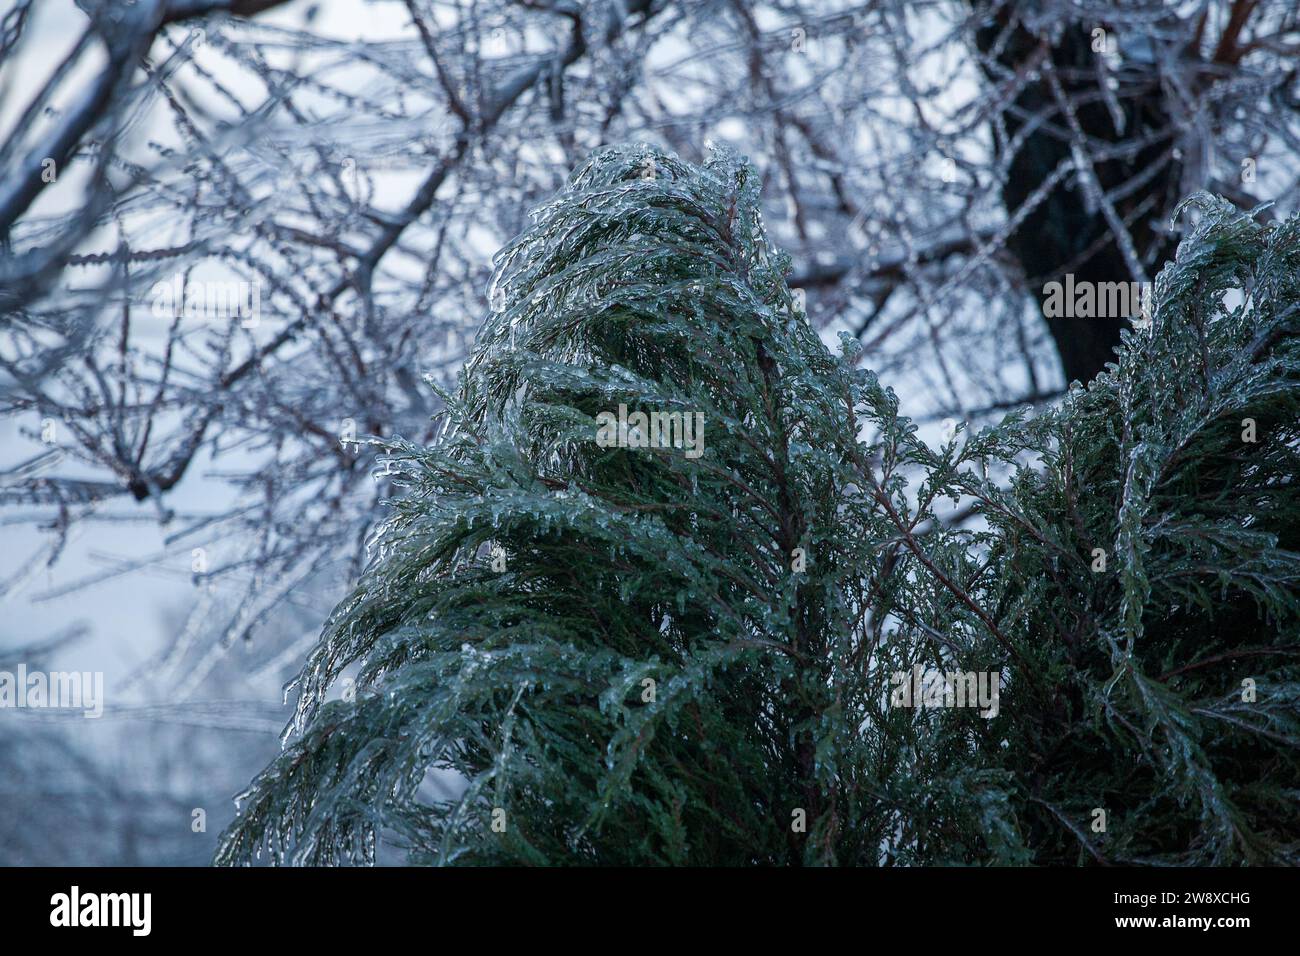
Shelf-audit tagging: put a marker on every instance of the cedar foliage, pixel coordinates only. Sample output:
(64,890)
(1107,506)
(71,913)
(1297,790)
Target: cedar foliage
(649,680)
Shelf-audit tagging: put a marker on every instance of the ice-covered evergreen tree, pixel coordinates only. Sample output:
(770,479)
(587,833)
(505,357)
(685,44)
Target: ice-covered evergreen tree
(633,650)
(1148,569)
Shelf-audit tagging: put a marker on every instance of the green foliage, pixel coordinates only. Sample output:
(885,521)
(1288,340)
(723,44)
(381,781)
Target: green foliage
(1143,710)
(649,681)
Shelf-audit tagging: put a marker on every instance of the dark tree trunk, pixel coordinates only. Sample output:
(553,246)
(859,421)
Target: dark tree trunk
(1063,234)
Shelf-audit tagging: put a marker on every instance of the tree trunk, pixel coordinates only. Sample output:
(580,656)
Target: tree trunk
(1063,234)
